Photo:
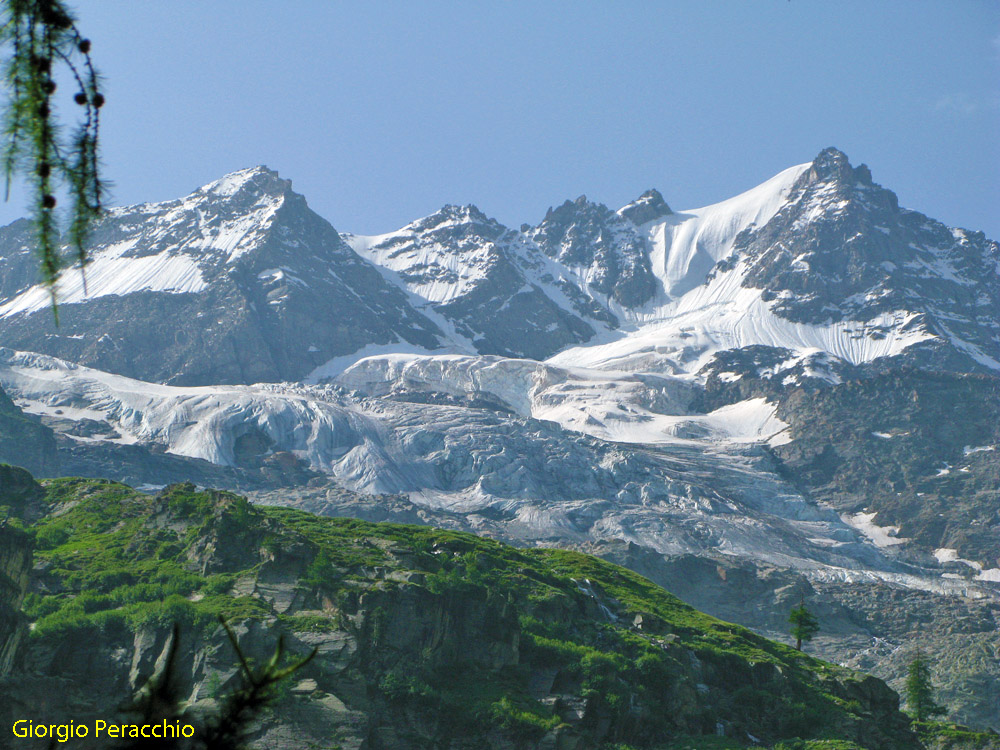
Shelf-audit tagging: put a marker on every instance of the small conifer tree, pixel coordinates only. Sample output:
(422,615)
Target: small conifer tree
(920,690)
(804,624)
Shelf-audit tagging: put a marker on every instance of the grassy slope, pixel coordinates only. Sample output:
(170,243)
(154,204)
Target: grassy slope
(113,560)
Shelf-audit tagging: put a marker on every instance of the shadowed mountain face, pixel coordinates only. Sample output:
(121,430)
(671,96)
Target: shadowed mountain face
(24,441)
(239,282)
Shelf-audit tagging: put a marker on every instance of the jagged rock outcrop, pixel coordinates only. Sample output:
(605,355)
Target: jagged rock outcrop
(605,247)
(496,289)
(20,502)
(648,207)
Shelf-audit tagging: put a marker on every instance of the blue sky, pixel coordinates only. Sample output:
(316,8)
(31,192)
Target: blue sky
(381,112)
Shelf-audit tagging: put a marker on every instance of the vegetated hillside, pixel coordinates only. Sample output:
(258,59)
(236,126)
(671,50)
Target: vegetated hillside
(426,638)
(872,626)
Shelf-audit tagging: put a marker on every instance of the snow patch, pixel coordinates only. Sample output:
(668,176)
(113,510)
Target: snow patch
(880,536)
(969,449)
(110,273)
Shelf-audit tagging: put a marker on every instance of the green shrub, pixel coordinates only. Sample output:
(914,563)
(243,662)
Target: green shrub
(50,537)
(522,722)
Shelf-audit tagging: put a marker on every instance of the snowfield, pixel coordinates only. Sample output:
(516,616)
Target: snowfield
(695,485)
(723,315)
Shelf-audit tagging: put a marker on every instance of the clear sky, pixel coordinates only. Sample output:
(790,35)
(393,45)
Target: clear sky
(381,112)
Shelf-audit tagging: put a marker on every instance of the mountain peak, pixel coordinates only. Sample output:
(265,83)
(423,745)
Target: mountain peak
(647,207)
(451,215)
(573,210)
(468,212)
(257,181)
(832,165)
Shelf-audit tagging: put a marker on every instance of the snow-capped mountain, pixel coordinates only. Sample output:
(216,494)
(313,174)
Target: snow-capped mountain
(842,248)
(818,260)
(644,326)
(237,282)
(241,282)
(494,289)
(668,291)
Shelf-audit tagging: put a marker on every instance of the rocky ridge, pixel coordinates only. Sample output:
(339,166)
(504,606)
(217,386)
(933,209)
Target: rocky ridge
(226,285)
(240,282)
(494,289)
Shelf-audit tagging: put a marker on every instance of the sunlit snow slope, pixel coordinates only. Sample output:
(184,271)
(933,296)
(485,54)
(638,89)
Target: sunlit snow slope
(546,482)
(816,261)
(240,282)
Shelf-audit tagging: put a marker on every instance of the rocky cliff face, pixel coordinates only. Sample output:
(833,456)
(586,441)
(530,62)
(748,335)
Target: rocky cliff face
(423,636)
(24,441)
(906,449)
(605,248)
(19,501)
(15,567)
(916,449)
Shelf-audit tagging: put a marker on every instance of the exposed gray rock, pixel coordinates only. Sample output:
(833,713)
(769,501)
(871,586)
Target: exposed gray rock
(841,248)
(269,291)
(486,280)
(15,569)
(647,207)
(606,246)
